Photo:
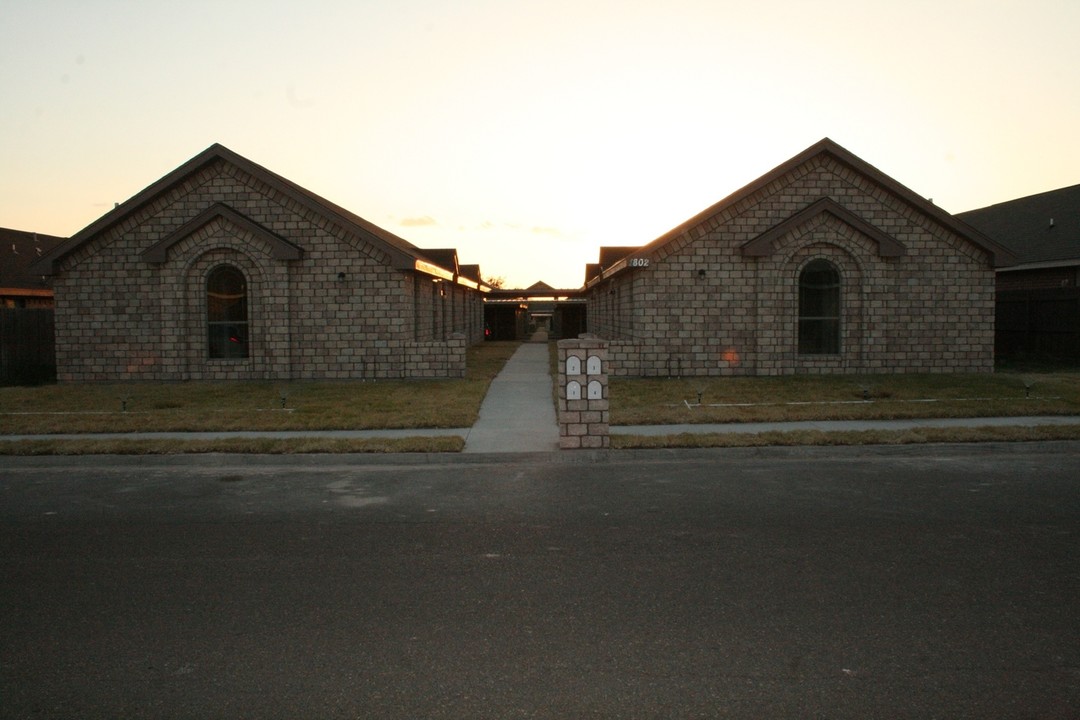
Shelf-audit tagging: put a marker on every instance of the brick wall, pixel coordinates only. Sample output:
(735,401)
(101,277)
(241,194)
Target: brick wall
(583,402)
(703,307)
(120,317)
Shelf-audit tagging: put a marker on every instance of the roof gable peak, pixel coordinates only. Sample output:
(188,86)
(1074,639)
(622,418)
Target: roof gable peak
(401,253)
(828,147)
(763,245)
(280,248)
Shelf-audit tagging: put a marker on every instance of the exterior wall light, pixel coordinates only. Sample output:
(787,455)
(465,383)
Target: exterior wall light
(701,274)
(341,276)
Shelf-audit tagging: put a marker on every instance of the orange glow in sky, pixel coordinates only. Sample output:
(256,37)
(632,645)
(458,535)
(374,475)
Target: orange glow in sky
(528,133)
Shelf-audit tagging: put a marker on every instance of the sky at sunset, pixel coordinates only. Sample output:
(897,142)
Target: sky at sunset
(528,133)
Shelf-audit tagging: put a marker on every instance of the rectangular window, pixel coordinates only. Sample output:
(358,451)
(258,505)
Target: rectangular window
(819,336)
(228,340)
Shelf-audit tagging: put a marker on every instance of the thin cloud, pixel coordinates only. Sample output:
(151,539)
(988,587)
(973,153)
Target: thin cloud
(519,228)
(418,221)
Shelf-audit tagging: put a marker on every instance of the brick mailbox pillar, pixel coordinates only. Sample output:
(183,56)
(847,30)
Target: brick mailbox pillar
(583,394)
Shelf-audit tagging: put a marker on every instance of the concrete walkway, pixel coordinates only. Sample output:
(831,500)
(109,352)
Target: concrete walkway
(484,438)
(518,412)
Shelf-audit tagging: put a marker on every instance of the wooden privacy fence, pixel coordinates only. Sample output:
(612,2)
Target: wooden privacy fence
(1038,324)
(27,348)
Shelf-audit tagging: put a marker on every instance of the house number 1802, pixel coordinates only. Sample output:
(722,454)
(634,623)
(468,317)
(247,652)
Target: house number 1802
(639,262)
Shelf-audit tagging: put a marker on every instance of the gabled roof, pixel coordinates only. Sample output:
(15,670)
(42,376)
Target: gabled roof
(472,272)
(592,270)
(280,248)
(403,254)
(999,254)
(539,287)
(1024,226)
(443,257)
(609,255)
(19,250)
(762,245)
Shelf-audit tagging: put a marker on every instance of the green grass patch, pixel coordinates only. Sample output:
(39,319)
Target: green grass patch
(227,406)
(842,397)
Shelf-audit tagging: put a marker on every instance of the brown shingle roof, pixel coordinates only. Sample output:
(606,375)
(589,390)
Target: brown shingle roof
(402,253)
(609,255)
(18,251)
(472,272)
(1023,225)
(539,287)
(445,258)
(1000,255)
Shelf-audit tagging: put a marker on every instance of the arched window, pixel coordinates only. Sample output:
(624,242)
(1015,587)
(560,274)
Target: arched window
(226,313)
(819,309)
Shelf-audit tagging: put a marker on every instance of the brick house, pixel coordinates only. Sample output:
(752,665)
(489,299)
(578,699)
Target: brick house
(223,270)
(823,265)
(1038,297)
(26,314)
(19,287)
(1042,231)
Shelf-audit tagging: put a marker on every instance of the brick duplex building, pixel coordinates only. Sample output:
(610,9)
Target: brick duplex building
(223,270)
(823,265)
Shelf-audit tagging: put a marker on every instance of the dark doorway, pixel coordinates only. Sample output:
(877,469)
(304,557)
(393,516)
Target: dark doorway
(502,321)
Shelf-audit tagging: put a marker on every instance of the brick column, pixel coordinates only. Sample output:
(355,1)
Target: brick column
(583,394)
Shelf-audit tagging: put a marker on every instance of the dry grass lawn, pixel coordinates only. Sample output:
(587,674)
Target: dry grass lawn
(842,397)
(233,445)
(180,407)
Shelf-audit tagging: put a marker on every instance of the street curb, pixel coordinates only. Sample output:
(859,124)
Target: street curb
(565,457)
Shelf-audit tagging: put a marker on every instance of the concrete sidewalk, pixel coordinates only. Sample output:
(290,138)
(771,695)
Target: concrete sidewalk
(518,412)
(844,425)
(521,439)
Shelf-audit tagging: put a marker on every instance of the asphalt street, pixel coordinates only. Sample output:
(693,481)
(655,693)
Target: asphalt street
(912,582)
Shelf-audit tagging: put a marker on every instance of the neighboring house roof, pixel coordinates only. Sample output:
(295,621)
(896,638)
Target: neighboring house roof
(1000,255)
(539,287)
(472,272)
(592,270)
(19,250)
(1041,229)
(403,254)
(443,257)
(610,255)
